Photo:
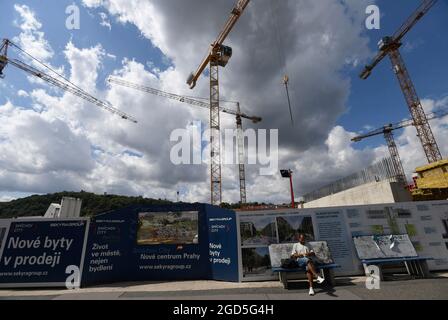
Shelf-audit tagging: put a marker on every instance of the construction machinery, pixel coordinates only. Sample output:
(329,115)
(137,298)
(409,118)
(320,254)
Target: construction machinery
(63,84)
(437,176)
(217,56)
(287,173)
(389,46)
(195,102)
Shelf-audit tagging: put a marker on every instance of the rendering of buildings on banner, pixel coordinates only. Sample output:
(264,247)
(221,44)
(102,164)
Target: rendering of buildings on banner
(424,223)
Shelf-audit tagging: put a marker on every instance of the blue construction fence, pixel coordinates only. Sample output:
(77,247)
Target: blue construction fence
(169,242)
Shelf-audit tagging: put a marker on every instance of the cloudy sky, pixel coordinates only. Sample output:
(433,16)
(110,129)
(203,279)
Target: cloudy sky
(52,141)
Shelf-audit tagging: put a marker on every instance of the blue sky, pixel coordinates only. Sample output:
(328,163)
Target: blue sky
(52,15)
(379,100)
(373,102)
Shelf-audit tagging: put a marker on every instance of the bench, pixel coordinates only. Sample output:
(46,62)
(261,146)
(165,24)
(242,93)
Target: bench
(326,265)
(381,250)
(416,267)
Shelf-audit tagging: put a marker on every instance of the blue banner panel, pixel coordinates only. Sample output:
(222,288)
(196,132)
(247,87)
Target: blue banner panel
(148,243)
(223,244)
(37,253)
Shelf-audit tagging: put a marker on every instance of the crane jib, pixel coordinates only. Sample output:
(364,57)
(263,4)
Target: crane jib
(69,87)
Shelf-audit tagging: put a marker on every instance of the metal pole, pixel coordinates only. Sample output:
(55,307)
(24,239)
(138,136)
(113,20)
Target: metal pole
(293,204)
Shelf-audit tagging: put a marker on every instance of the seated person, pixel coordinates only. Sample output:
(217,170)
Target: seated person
(304,257)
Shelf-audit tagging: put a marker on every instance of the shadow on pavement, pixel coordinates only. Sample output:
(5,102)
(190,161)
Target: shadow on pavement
(322,288)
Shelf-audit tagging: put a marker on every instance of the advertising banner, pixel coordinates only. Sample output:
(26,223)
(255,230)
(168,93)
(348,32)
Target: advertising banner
(172,242)
(258,230)
(223,244)
(4,227)
(425,223)
(42,252)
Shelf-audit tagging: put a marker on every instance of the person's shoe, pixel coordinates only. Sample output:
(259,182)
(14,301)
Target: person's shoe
(320,279)
(311,292)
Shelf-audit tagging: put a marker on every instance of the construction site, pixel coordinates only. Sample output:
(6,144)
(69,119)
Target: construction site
(387,182)
(326,196)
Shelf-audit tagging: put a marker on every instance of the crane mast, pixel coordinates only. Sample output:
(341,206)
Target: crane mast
(64,85)
(395,156)
(241,157)
(389,46)
(421,123)
(238,115)
(218,56)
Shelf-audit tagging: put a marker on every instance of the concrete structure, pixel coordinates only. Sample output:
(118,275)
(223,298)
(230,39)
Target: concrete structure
(371,193)
(69,208)
(53,211)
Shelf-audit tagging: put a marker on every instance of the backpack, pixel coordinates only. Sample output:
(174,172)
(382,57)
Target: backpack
(289,264)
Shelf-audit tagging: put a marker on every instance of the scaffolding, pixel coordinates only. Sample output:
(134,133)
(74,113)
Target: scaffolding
(383,170)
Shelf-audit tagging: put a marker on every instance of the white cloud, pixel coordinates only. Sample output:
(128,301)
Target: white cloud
(93,146)
(22,93)
(31,39)
(105,20)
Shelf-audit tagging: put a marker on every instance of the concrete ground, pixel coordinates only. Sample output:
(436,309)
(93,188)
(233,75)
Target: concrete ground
(346,289)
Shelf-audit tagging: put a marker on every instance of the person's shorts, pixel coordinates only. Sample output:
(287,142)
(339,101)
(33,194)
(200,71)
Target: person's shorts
(303,262)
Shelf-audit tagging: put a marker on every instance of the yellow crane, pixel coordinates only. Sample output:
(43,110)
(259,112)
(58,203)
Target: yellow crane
(217,56)
(194,102)
(65,85)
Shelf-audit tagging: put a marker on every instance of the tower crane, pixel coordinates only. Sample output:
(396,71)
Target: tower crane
(194,102)
(64,85)
(389,46)
(387,131)
(217,56)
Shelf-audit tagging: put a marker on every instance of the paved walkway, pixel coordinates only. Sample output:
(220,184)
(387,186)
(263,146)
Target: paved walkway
(346,289)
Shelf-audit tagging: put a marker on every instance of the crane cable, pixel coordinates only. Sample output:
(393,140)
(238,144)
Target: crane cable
(281,52)
(44,65)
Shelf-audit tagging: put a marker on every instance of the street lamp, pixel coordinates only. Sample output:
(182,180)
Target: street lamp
(288,174)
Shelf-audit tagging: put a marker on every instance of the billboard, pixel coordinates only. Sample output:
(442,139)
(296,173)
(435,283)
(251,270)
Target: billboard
(41,252)
(4,227)
(167,242)
(168,228)
(424,223)
(258,230)
(223,244)
(170,242)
